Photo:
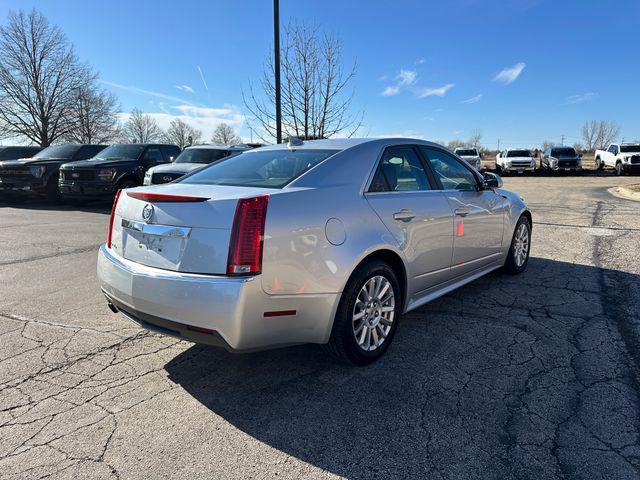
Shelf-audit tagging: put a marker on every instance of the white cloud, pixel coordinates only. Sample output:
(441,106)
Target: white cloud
(390,91)
(185,88)
(510,74)
(582,98)
(475,99)
(142,91)
(429,92)
(204,82)
(205,119)
(420,61)
(406,77)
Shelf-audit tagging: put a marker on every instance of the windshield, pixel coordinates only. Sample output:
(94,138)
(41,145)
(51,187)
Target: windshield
(267,169)
(518,153)
(202,155)
(467,153)
(58,151)
(563,152)
(630,148)
(13,153)
(120,152)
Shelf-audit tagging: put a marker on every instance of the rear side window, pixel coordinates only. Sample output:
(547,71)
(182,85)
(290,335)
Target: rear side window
(266,168)
(450,172)
(89,151)
(400,170)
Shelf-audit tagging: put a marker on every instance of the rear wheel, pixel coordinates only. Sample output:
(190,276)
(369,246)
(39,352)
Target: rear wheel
(599,164)
(518,256)
(367,315)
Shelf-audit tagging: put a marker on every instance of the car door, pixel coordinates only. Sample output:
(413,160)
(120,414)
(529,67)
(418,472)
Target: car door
(416,213)
(478,213)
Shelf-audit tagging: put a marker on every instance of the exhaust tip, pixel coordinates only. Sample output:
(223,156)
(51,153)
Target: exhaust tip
(112,307)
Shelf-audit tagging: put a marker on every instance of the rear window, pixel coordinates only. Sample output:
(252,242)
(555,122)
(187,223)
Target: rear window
(518,153)
(266,169)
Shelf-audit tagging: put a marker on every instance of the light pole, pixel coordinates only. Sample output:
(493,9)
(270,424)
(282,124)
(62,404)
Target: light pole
(276,47)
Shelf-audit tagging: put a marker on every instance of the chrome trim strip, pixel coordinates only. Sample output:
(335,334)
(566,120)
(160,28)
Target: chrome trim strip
(159,230)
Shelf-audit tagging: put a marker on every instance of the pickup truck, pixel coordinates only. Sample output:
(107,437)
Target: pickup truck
(471,156)
(624,157)
(560,159)
(515,161)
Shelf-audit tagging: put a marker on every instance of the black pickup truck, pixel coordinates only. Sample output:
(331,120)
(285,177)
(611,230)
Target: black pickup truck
(38,176)
(116,167)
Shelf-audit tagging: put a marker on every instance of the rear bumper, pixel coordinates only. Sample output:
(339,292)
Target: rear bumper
(232,309)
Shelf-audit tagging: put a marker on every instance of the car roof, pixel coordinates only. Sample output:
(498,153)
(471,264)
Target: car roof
(215,146)
(344,143)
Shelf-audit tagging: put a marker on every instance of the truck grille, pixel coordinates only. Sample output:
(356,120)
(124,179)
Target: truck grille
(14,173)
(567,163)
(73,175)
(635,159)
(521,163)
(165,177)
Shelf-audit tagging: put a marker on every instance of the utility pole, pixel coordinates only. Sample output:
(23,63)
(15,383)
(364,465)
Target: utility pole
(498,145)
(562,140)
(276,47)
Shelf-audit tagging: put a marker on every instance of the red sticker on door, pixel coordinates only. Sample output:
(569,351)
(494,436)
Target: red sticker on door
(460,228)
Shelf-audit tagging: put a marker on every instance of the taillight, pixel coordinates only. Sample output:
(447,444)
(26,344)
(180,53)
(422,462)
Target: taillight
(113,214)
(245,248)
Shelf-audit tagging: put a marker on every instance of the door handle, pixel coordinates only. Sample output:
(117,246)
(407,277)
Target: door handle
(404,215)
(461,212)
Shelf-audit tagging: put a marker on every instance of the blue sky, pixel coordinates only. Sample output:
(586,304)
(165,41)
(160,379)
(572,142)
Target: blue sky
(521,71)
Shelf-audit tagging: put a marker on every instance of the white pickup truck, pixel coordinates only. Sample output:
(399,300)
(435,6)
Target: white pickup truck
(624,157)
(515,161)
(471,156)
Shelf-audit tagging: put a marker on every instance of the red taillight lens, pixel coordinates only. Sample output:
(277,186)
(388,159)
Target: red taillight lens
(245,249)
(162,197)
(113,214)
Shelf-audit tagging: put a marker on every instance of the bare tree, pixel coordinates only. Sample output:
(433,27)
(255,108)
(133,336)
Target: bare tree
(225,135)
(141,128)
(39,73)
(599,134)
(94,116)
(474,139)
(453,144)
(546,144)
(182,134)
(316,102)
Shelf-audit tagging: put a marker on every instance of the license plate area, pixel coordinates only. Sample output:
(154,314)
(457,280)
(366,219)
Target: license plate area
(154,245)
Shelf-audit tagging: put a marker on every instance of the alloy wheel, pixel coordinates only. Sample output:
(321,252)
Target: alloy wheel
(521,245)
(373,313)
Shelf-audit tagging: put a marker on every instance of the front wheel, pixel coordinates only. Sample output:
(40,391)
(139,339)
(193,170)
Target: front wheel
(367,315)
(518,256)
(619,169)
(599,164)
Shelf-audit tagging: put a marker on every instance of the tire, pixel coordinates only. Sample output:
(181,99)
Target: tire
(599,164)
(515,263)
(373,321)
(619,169)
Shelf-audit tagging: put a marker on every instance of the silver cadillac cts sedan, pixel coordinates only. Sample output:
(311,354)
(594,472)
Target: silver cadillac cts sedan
(326,241)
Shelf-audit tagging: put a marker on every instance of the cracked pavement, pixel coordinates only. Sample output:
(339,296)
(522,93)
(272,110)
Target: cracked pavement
(527,377)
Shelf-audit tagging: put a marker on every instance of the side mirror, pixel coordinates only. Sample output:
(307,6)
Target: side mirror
(491,180)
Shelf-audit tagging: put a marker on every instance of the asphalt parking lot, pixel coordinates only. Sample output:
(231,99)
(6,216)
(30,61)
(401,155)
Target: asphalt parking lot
(534,376)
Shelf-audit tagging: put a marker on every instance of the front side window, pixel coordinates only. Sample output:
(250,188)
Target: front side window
(400,170)
(612,149)
(450,172)
(265,169)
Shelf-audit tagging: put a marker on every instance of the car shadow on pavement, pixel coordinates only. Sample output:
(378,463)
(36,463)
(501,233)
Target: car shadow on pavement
(94,207)
(526,376)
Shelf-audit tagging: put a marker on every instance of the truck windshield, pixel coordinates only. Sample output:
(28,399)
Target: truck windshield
(467,153)
(120,152)
(563,152)
(518,153)
(630,148)
(266,169)
(202,155)
(58,151)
